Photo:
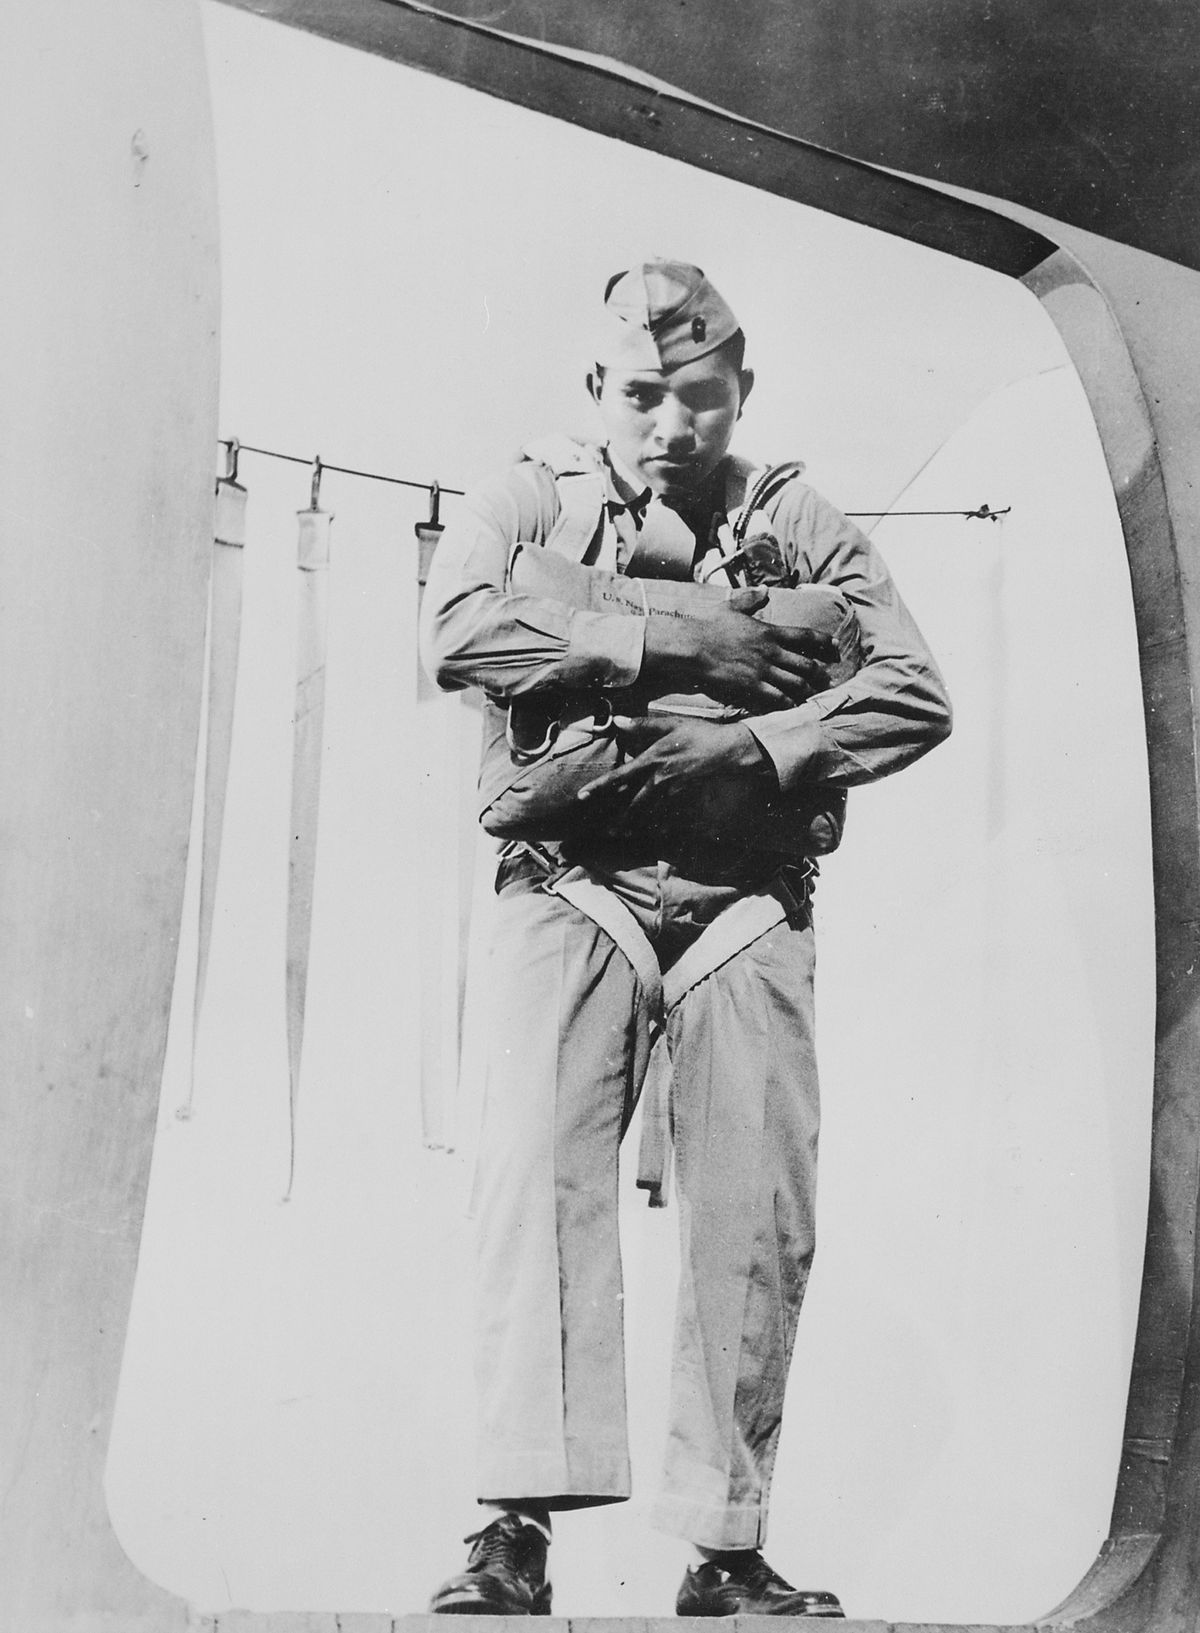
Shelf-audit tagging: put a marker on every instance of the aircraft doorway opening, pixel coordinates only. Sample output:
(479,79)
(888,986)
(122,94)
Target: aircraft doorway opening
(409,271)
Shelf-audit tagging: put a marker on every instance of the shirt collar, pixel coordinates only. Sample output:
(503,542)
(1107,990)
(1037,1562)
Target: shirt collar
(634,495)
(630,490)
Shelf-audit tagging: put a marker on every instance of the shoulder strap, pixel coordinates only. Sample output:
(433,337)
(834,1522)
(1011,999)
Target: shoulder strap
(579,482)
(740,477)
(752,490)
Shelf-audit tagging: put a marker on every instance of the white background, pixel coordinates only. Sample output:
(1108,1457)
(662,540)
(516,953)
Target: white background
(409,275)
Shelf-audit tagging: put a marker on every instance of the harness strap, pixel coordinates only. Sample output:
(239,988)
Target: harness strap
(731,932)
(605,908)
(660,546)
(665,545)
(580,485)
(766,490)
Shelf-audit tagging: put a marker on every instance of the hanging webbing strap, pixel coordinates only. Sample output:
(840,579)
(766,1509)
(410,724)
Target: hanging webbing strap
(447,746)
(224,640)
(730,933)
(308,732)
(427,533)
(444,883)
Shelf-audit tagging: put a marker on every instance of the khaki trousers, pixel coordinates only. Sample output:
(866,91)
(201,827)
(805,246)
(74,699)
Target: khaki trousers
(567,1054)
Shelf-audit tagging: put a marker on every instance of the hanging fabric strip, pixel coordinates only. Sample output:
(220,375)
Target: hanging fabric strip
(224,640)
(442,894)
(428,533)
(308,731)
(447,746)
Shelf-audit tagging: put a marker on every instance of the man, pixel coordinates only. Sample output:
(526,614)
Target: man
(591,938)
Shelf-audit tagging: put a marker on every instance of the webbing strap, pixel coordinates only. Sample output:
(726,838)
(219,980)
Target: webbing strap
(665,546)
(598,903)
(769,485)
(654,1149)
(307,741)
(224,640)
(730,933)
(580,485)
(581,498)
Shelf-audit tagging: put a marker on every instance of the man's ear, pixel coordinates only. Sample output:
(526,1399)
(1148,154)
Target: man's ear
(595,384)
(745,386)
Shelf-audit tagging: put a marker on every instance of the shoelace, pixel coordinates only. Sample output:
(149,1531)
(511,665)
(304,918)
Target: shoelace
(759,1575)
(501,1543)
(754,1574)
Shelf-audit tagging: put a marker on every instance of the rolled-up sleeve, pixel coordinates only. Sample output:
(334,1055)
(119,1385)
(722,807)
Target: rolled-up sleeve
(896,707)
(475,633)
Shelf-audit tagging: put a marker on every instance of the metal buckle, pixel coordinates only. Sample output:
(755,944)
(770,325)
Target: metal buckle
(524,754)
(794,885)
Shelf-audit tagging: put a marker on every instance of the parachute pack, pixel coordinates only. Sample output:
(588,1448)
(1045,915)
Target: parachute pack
(542,749)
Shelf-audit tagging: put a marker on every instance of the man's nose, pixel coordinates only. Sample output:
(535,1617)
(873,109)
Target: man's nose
(673,423)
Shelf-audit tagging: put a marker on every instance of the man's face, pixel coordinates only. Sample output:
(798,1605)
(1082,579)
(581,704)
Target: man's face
(672,429)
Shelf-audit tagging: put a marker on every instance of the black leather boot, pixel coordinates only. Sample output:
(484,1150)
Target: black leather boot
(741,1583)
(505,1574)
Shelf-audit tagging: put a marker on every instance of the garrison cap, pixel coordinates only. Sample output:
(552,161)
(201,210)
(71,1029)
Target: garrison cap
(659,315)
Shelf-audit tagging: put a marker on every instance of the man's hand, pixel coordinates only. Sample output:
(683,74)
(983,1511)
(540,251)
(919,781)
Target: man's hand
(672,757)
(737,658)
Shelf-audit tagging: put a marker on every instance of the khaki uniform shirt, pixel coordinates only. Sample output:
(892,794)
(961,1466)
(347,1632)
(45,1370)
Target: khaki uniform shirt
(476,633)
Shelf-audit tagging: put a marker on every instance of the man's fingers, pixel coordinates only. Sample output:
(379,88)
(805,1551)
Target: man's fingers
(798,668)
(804,642)
(799,682)
(630,775)
(607,782)
(642,803)
(748,599)
(637,732)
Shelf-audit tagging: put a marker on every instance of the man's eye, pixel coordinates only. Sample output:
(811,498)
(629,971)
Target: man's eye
(641,400)
(704,401)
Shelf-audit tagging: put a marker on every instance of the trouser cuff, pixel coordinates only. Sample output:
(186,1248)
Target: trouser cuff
(582,1476)
(708,1524)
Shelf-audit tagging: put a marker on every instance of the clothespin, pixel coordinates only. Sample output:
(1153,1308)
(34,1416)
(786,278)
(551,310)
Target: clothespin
(231,500)
(986,514)
(317,468)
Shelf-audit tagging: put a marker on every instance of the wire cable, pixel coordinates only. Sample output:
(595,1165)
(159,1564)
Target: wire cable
(983,513)
(343,470)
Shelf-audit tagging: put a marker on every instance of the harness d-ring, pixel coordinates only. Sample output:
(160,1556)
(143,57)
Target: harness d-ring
(603,716)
